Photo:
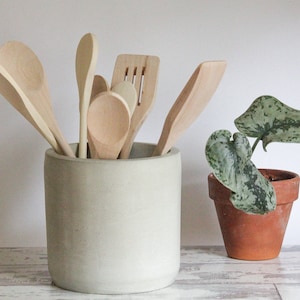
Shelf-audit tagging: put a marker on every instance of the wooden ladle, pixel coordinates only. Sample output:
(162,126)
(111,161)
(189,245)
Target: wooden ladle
(190,103)
(24,67)
(108,124)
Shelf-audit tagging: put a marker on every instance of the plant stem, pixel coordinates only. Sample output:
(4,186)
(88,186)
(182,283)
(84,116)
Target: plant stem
(255,143)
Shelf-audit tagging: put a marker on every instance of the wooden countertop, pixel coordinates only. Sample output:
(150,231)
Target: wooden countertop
(206,273)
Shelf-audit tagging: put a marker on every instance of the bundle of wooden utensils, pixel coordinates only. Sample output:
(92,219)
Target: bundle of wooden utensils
(110,116)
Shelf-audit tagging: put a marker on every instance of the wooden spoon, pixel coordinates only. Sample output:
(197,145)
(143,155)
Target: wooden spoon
(127,90)
(99,85)
(86,60)
(15,96)
(108,125)
(142,71)
(25,68)
(190,103)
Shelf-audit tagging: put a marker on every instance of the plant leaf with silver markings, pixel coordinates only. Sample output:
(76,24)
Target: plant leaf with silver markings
(230,159)
(270,120)
(256,194)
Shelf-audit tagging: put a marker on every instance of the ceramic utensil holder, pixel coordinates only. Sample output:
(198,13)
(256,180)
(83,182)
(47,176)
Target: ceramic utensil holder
(113,226)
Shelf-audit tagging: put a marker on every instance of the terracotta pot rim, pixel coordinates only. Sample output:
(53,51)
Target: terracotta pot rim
(288,178)
(289,175)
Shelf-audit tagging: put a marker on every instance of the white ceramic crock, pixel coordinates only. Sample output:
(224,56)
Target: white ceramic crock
(113,226)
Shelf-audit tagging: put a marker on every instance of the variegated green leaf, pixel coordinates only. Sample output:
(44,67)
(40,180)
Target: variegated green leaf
(270,120)
(255,194)
(230,160)
(227,157)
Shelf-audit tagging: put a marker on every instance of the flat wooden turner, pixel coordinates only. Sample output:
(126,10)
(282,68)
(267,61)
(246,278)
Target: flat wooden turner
(190,103)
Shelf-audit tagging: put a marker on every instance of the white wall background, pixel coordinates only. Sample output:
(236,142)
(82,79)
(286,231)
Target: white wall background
(258,38)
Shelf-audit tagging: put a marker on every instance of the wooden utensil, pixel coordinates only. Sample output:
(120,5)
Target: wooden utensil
(127,90)
(108,124)
(15,96)
(86,60)
(24,67)
(99,85)
(142,71)
(190,103)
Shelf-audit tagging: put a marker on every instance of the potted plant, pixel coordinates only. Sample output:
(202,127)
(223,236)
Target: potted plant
(253,205)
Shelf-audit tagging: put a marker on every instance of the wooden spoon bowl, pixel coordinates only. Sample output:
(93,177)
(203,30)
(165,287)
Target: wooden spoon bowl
(108,125)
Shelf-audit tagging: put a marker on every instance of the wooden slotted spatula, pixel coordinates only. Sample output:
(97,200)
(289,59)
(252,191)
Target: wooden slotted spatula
(190,103)
(142,71)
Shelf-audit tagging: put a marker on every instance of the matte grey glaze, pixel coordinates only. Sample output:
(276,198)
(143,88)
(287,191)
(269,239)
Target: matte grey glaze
(113,226)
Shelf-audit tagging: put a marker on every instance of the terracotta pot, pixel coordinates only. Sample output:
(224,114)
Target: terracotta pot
(255,237)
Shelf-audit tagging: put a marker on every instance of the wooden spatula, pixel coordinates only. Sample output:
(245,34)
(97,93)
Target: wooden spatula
(142,71)
(190,103)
